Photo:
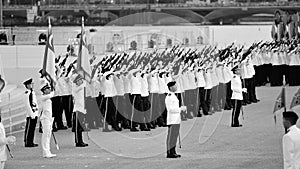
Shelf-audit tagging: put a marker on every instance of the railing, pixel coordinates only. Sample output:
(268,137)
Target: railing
(159,5)
(12,111)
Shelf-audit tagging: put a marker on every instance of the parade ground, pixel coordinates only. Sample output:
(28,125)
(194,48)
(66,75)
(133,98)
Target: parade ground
(207,143)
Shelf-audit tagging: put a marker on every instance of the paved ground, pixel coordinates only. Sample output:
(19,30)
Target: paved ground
(207,142)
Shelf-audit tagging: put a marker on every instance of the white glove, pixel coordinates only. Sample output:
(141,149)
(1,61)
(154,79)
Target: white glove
(183,108)
(11,139)
(244,90)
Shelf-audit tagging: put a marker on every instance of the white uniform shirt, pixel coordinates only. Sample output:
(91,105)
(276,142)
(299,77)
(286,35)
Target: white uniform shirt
(220,74)
(250,68)
(127,85)
(243,70)
(267,57)
(214,78)
(144,86)
(63,86)
(29,111)
(46,112)
(118,81)
(78,95)
(69,85)
(3,142)
(192,80)
(173,109)
(185,81)
(57,91)
(88,90)
(153,83)
(109,87)
(227,74)
(282,58)
(136,85)
(101,85)
(275,59)
(291,148)
(96,88)
(254,57)
(200,79)
(236,87)
(179,84)
(163,88)
(208,80)
(294,59)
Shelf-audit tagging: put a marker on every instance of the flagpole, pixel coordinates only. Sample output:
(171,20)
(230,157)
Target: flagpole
(285,129)
(46,49)
(284,101)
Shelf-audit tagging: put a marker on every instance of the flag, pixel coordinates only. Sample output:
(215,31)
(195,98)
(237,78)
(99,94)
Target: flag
(280,102)
(49,58)
(83,64)
(296,99)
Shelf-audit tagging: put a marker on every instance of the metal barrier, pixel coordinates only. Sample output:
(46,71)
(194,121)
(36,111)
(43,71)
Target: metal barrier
(12,112)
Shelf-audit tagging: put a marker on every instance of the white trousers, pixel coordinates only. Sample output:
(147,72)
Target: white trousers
(2,164)
(46,136)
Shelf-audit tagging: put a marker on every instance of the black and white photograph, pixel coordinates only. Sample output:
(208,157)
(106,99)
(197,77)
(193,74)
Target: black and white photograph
(149,84)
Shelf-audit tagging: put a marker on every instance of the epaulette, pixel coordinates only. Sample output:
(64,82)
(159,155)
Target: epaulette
(234,76)
(169,94)
(26,92)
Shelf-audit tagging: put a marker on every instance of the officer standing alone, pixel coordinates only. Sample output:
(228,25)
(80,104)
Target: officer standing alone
(32,113)
(173,120)
(237,96)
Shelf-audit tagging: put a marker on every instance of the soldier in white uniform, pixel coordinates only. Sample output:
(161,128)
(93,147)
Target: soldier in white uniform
(57,107)
(237,96)
(294,67)
(66,99)
(146,105)
(46,120)
(207,91)
(173,120)
(251,87)
(291,141)
(93,114)
(227,77)
(136,117)
(3,142)
(161,120)
(127,106)
(222,86)
(200,84)
(245,75)
(79,110)
(32,114)
(110,109)
(177,76)
(191,94)
(121,115)
(153,89)
(214,91)
(276,75)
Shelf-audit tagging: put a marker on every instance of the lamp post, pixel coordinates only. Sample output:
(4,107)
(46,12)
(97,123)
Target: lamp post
(11,29)
(1,14)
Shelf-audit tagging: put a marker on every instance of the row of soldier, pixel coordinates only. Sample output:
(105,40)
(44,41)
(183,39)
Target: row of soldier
(270,60)
(127,90)
(114,89)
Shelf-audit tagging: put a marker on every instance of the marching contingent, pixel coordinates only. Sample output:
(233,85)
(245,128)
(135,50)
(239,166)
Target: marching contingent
(128,90)
(143,90)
